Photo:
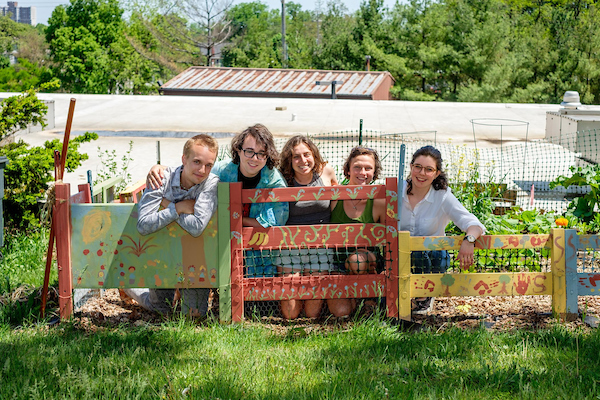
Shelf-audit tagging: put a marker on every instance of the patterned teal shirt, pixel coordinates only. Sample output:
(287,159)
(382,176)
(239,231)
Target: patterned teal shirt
(267,214)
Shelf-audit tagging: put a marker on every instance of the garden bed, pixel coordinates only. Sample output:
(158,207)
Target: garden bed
(494,313)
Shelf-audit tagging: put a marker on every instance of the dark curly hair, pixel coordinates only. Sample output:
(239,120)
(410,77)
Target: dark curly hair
(263,137)
(362,151)
(285,166)
(439,183)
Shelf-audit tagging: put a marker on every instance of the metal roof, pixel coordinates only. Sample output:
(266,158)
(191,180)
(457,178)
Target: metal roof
(280,82)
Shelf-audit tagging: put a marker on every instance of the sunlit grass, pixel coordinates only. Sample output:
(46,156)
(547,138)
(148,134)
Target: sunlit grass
(23,260)
(373,360)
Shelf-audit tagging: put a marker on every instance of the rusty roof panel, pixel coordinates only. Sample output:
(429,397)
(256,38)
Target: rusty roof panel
(284,81)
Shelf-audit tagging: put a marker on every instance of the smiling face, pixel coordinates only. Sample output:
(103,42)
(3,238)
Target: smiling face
(250,167)
(303,162)
(197,165)
(361,170)
(423,172)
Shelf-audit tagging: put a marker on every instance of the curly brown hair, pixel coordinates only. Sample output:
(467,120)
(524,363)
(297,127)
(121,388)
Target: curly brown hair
(439,183)
(262,136)
(363,151)
(285,166)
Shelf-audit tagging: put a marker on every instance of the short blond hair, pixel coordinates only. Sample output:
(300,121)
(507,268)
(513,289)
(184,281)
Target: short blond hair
(202,140)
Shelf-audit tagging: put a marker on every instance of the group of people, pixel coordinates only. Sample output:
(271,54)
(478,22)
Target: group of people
(187,194)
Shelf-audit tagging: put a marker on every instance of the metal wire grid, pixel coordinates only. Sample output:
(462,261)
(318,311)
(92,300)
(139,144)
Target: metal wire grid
(588,261)
(327,260)
(525,167)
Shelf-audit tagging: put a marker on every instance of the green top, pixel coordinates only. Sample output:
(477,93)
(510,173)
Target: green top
(338,215)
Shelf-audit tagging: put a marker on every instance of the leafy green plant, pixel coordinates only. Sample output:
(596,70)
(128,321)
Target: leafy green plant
(27,176)
(473,185)
(110,167)
(16,112)
(582,207)
(517,221)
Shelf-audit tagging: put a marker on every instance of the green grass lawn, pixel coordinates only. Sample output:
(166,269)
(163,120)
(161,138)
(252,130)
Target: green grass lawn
(23,260)
(373,360)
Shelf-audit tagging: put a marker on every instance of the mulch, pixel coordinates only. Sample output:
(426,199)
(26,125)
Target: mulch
(528,313)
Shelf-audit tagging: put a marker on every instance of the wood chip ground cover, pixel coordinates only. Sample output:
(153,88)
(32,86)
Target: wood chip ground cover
(494,313)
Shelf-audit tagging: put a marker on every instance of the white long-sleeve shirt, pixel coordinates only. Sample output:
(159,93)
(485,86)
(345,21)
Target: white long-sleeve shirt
(151,219)
(432,214)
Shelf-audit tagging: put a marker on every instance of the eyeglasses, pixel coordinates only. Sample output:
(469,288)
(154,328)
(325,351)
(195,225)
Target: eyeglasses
(251,153)
(418,168)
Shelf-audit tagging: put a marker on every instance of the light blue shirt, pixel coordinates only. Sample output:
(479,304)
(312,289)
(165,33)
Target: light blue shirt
(267,214)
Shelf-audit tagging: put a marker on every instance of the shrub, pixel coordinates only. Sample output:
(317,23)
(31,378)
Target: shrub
(27,176)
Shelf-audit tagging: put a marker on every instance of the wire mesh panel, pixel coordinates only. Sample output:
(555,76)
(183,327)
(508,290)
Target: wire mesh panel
(588,260)
(308,265)
(588,254)
(525,168)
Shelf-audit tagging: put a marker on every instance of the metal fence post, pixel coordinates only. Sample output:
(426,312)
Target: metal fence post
(360,129)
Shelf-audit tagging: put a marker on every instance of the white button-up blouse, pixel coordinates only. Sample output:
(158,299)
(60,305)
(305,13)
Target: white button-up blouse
(432,214)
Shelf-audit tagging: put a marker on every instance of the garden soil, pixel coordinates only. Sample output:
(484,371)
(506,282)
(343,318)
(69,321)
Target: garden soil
(528,313)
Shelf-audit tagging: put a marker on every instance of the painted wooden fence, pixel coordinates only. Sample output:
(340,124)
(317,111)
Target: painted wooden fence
(99,246)
(582,267)
(303,237)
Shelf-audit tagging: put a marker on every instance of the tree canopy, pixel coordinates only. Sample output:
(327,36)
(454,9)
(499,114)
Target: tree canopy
(452,50)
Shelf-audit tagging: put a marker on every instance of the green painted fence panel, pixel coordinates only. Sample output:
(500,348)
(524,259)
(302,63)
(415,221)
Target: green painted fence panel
(108,251)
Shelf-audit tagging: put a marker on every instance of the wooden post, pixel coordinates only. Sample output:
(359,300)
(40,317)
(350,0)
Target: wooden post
(62,223)
(224,232)
(237,257)
(559,293)
(391,283)
(404,272)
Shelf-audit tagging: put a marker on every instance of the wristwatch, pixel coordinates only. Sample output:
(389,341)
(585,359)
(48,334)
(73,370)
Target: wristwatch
(470,238)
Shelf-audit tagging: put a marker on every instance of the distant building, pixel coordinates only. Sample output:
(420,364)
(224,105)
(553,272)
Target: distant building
(23,15)
(270,82)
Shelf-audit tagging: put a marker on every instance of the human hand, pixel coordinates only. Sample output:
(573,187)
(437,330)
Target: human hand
(155,176)
(185,207)
(465,254)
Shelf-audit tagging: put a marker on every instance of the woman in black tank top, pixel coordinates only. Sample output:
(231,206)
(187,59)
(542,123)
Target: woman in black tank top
(302,165)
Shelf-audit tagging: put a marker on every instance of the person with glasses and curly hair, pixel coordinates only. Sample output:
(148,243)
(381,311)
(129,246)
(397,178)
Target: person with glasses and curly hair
(254,159)
(427,207)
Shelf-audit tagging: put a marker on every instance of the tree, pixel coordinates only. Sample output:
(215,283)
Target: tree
(90,53)
(9,34)
(256,37)
(181,33)
(337,50)
(27,45)
(28,174)
(16,112)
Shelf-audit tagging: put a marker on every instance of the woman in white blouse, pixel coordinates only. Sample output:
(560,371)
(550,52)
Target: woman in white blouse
(428,205)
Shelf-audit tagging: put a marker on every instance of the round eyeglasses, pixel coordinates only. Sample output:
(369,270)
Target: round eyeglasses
(251,153)
(427,170)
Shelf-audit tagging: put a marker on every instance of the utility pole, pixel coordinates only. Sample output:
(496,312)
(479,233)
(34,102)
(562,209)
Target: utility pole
(284,57)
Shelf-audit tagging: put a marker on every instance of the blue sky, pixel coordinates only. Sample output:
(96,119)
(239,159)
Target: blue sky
(44,8)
